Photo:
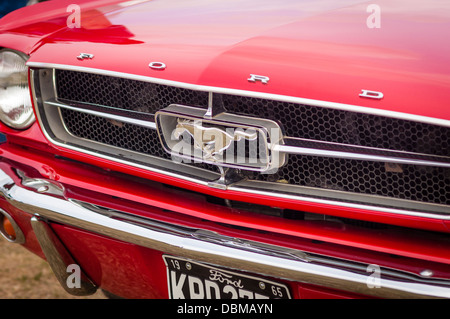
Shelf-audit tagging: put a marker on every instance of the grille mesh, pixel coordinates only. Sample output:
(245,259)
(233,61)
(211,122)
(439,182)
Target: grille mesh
(345,127)
(418,183)
(411,182)
(122,93)
(123,135)
(297,120)
(127,136)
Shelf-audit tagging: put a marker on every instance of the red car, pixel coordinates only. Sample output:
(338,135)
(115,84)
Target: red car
(230,149)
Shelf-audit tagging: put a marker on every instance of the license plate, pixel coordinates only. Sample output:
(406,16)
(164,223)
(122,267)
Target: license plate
(192,280)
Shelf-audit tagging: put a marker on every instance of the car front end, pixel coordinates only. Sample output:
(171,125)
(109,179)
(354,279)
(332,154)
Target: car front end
(205,149)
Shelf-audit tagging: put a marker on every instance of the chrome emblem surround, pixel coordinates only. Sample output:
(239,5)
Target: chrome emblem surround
(212,141)
(225,140)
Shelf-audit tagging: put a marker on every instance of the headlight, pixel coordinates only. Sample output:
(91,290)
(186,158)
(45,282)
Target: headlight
(16,110)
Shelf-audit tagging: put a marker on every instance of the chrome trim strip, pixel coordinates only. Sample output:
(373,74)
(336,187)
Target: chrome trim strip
(59,259)
(270,191)
(209,248)
(359,153)
(247,245)
(105,113)
(362,154)
(279,190)
(196,87)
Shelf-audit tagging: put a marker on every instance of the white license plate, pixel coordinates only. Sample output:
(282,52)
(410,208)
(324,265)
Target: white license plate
(192,280)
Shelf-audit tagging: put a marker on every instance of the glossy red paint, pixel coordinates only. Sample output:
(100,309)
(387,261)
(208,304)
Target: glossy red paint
(313,292)
(25,28)
(327,209)
(116,266)
(312,49)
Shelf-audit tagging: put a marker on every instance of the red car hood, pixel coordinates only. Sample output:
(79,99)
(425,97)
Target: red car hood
(317,50)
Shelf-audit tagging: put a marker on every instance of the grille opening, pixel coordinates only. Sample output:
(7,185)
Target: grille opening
(422,184)
(297,120)
(409,182)
(123,93)
(345,127)
(124,135)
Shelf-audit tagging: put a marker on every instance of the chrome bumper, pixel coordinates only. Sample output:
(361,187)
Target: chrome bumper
(44,200)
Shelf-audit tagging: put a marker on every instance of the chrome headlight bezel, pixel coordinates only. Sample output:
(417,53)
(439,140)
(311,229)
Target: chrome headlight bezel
(16,109)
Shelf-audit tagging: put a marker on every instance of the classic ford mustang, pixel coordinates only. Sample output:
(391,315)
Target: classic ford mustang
(230,149)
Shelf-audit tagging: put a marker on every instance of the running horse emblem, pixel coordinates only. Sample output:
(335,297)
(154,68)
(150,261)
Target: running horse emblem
(212,141)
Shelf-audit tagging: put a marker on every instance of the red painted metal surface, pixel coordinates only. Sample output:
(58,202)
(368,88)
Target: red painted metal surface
(317,51)
(328,209)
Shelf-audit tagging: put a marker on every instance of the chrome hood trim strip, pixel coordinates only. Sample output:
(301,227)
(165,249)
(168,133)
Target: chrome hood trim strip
(212,248)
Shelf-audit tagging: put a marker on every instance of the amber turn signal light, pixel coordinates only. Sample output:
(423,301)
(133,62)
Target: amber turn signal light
(8,228)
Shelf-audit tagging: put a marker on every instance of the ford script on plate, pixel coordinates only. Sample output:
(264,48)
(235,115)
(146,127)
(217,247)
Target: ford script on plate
(192,280)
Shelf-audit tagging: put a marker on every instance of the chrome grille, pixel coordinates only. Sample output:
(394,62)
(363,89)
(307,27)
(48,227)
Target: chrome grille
(297,120)
(124,135)
(411,182)
(344,127)
(313,127)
